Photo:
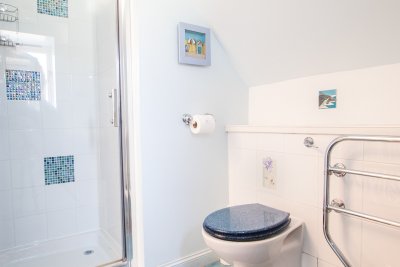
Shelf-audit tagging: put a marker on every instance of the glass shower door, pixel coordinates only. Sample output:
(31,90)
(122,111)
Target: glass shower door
(60,144)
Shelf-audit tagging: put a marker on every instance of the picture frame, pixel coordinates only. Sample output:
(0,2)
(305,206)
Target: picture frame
(327,99)
(194,45)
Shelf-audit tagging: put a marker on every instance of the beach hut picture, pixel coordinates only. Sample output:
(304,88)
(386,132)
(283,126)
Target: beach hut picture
(194,45)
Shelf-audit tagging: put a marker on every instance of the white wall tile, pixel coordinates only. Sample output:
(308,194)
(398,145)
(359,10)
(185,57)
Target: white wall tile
(58,142)
(308,261)
(79,10)
(382,152)
(61,54)
(86,167)
(81,60)
(299,178)
(5,178)
(270,142)
(109,152)
(242,171)
(105,34)
(81,33)
(7,239)
(86,107)
(27,173)
(56,27)
(322,263)
(88,218)
(85,113)
(3,111)
(57,115)
(61,223)
(28,201)
(24,115)
(26,144)
(30,229)
(4,145)
(243,140)
(85,141)
(382,197)
(88,193)
(63,88)
(61,196)
(6,205)
(380,245)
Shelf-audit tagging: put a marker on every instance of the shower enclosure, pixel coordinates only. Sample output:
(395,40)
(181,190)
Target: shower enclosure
(64,198)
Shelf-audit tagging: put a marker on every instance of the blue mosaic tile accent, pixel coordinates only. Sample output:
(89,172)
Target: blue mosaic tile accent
(57,8)
(59,170)
(23,85)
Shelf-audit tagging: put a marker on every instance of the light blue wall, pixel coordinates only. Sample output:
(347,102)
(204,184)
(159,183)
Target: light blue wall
(184,177)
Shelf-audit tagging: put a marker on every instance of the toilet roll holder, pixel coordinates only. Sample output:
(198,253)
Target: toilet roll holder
(187,119)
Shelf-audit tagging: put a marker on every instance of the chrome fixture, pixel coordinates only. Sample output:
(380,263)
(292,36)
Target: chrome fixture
(8,13)
(5,41)
(338,205)
(309,142)
(337,170)
(187,118)
(114,97)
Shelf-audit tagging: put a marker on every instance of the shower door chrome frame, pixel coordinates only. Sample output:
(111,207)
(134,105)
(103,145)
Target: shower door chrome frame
(122,62)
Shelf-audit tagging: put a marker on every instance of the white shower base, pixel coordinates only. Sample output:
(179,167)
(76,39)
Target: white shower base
(65,252)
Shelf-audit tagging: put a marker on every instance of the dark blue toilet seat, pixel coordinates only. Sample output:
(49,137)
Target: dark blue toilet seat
(250,222)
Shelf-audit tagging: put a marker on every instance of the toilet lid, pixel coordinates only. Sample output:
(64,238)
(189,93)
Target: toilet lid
(248,222)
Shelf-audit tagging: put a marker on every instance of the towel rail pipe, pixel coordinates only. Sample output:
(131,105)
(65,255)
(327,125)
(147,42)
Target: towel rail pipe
(369,174)
(328,170)
(365,216)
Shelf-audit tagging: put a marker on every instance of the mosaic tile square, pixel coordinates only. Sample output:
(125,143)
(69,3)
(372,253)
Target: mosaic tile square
(57,8)
(23,85)
(59,170)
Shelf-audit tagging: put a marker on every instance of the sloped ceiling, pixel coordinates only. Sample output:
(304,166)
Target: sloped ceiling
(275,40)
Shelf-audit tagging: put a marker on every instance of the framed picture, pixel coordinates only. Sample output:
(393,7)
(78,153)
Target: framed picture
(194,45)
(327,99)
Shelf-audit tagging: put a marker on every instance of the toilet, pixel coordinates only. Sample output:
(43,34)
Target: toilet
(254,235)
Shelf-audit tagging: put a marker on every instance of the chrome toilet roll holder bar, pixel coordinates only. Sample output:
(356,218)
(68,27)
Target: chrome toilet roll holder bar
(187,119)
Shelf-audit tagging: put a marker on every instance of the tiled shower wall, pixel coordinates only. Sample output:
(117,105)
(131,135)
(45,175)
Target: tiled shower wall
(59,128)
(299,190)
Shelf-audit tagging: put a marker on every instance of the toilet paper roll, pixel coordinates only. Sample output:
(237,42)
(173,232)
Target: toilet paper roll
(202,124)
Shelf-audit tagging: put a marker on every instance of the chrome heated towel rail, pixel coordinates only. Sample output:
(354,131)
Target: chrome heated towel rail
(340,171)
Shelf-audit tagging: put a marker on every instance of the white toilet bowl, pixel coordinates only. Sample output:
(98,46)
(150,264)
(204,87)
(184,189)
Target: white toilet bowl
(282,249)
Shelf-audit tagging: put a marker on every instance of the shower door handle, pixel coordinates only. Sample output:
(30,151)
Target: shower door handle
(114,97)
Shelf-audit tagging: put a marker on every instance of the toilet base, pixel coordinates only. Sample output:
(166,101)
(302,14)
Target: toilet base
(283,250)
